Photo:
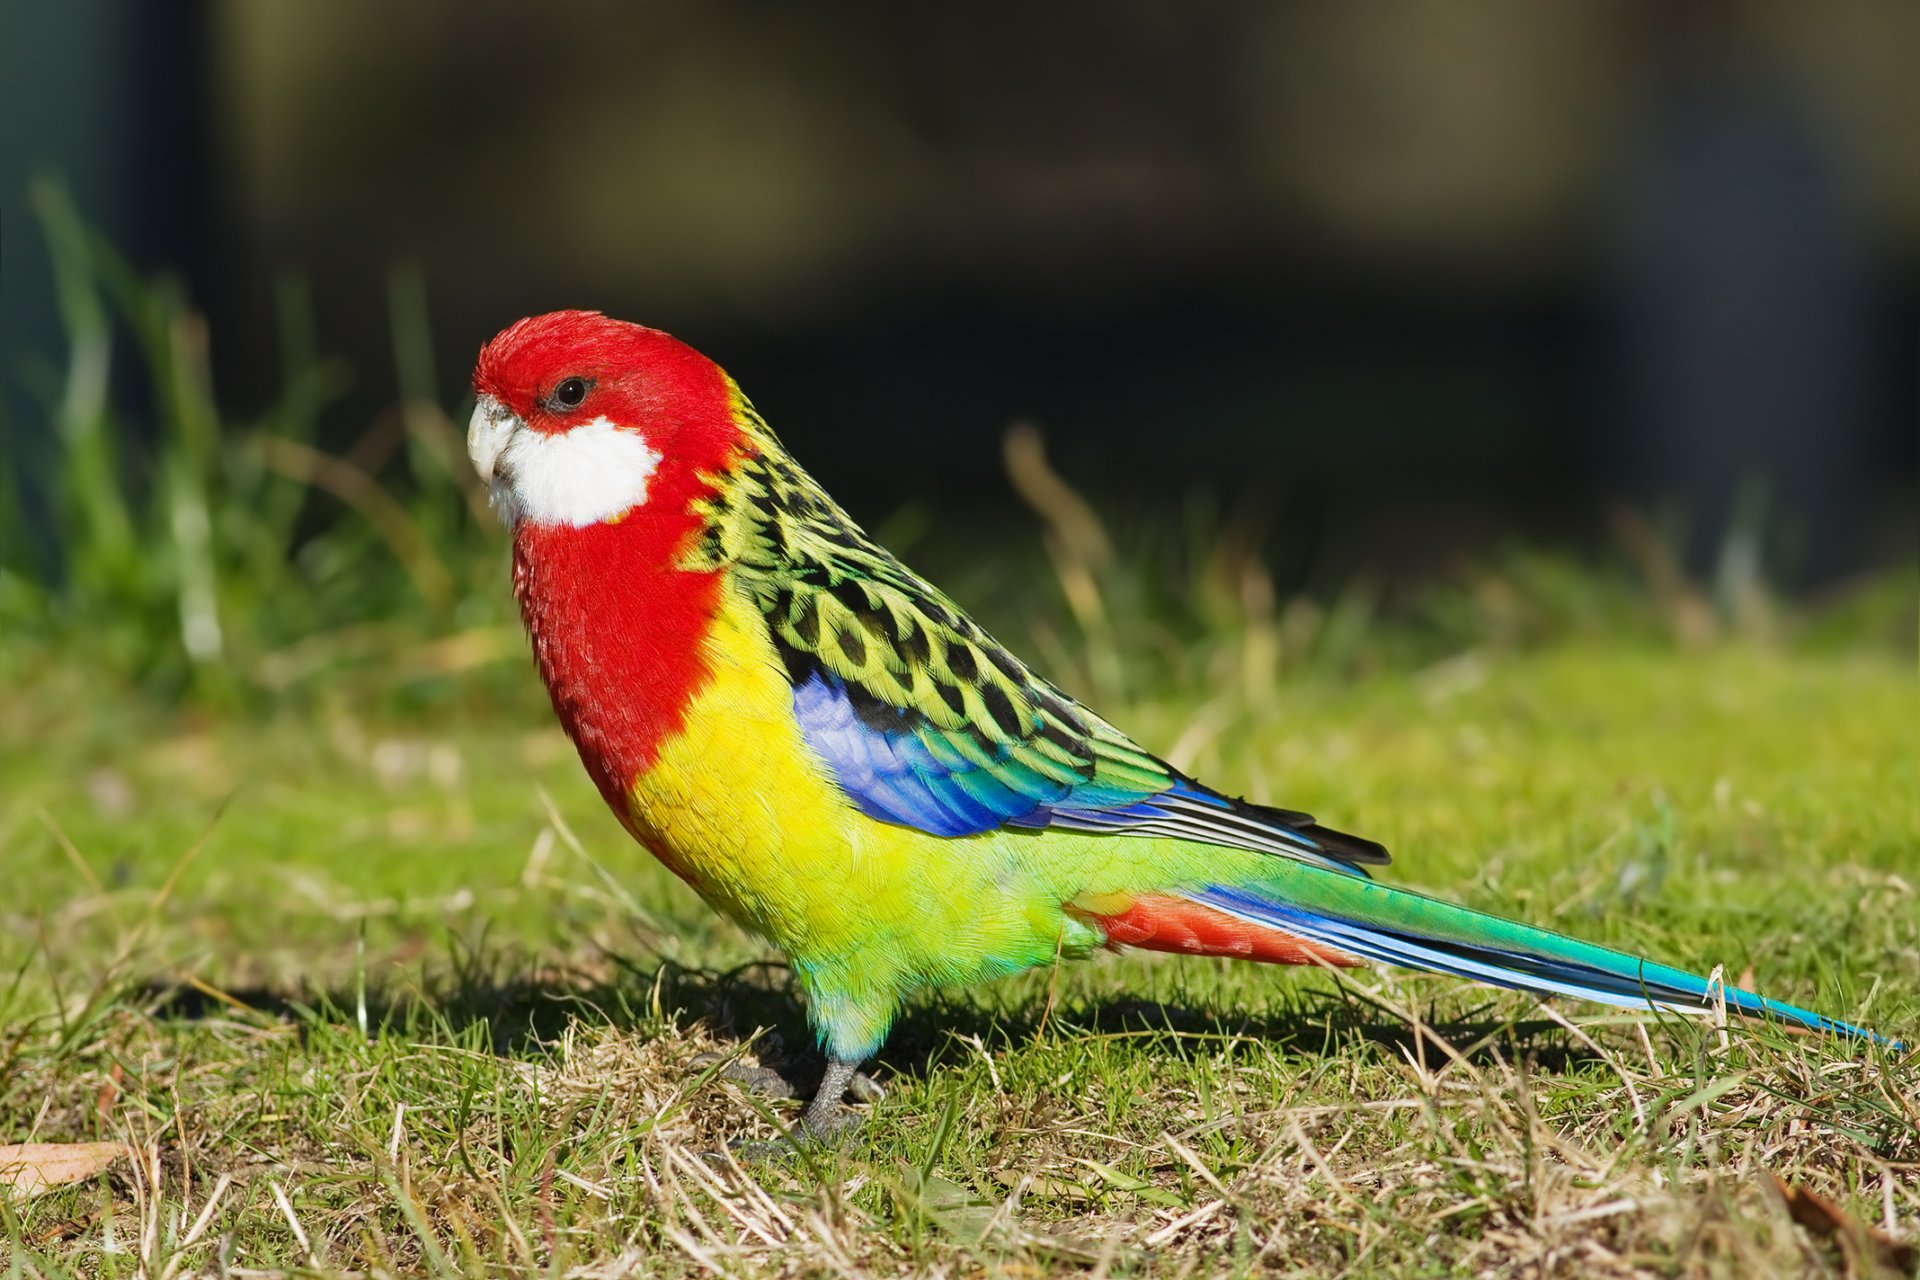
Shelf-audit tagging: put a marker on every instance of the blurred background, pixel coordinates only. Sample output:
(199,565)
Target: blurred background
(1390,287)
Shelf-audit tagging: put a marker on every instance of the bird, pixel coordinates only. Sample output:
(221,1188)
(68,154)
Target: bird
(833,755)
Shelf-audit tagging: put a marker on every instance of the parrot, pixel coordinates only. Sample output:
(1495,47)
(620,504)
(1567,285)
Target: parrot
(833,755)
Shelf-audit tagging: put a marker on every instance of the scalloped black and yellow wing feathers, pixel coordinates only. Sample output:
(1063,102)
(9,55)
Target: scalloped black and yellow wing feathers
(922,718)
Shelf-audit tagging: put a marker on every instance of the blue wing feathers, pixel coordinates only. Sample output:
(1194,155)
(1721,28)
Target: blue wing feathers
(910,772)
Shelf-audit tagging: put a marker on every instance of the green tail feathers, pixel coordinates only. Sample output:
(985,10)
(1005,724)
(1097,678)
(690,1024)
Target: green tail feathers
(1376,922)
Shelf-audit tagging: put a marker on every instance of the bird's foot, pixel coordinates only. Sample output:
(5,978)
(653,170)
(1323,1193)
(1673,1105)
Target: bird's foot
(826,1122)
(830,1126)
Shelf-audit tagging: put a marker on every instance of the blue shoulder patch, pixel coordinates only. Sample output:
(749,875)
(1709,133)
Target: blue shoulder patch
(905,770)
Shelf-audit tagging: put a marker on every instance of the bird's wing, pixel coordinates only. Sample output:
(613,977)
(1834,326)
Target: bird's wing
(926,721)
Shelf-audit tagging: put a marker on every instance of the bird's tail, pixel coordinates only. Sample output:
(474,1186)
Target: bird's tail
(1305,915)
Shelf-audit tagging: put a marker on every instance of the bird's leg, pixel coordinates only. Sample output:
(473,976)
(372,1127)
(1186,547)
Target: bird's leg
(825,1120)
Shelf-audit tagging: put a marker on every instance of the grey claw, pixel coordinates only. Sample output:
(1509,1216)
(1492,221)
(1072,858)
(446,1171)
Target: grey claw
(763,1082)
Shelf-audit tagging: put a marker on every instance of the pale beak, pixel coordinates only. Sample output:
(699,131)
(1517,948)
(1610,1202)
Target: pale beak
(488,432)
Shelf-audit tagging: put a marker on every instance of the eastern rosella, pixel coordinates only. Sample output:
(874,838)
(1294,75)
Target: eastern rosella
(832,754)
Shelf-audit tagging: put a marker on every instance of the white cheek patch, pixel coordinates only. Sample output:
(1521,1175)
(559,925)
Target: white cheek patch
(592,473)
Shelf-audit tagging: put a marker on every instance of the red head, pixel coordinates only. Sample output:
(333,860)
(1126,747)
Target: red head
(581,418)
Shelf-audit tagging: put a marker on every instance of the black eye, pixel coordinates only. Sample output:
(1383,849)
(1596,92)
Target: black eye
(570,394)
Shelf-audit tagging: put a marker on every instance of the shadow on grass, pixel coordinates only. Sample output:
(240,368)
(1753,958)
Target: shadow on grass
(519,1008)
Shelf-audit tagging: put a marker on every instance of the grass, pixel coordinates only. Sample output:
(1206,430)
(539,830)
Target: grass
(313,906)
(413,979)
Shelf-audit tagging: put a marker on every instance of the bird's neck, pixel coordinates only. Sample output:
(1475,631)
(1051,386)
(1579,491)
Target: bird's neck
(617,630)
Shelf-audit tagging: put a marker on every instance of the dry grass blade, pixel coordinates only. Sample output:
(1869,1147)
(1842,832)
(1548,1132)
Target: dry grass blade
(363,493)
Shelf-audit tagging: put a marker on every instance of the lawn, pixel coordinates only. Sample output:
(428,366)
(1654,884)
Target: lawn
(390,992)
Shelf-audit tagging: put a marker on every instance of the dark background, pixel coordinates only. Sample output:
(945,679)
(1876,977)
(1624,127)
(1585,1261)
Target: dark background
(1408,281)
